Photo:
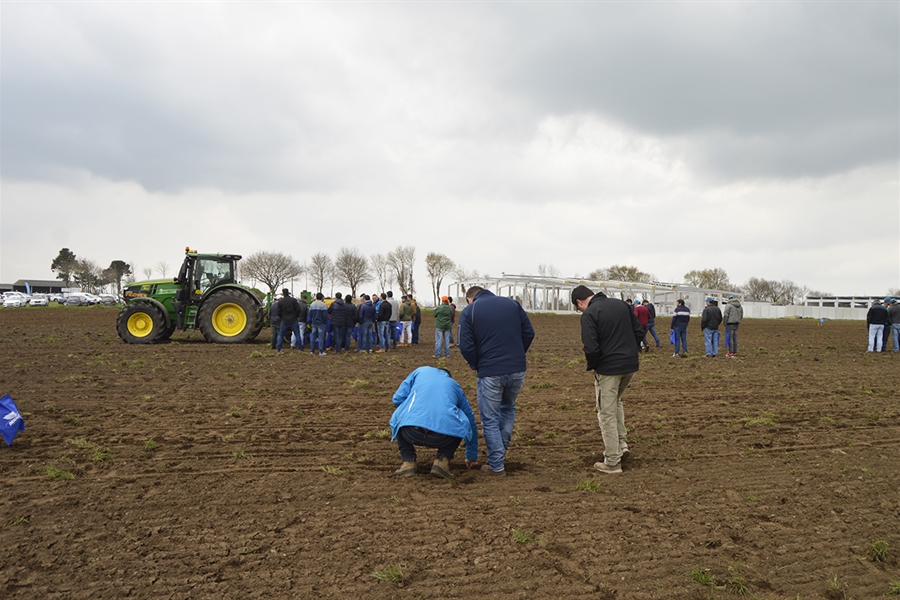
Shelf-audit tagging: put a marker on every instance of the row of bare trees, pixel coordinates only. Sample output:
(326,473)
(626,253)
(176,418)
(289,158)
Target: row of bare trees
(352,268)
(767,290)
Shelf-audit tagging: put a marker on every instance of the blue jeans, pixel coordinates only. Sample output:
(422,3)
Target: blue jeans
(317,338)
(651,329)
(338,335)
(282,331)
(497,407)
(384,334)
(364,337)
(410,437)
(895,329)
(875,333)
(711,341)
(680,338)
(394,335)
(442,338)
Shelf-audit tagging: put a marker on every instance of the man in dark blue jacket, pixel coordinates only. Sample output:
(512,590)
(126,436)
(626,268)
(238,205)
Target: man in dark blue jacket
(611,335)
(340,335)
(366,319)
(680,319)
(494,335)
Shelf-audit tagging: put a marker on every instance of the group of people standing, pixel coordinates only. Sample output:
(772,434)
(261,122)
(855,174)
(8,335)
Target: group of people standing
(710,321)
(882,320)
(378,322)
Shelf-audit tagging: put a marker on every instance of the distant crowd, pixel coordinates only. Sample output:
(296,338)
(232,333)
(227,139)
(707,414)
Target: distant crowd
(375,323)
(883,319)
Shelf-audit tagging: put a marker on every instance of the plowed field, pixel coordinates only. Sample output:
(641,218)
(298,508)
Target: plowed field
(216,471)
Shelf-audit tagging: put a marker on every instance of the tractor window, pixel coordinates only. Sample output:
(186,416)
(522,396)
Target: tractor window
(209,273)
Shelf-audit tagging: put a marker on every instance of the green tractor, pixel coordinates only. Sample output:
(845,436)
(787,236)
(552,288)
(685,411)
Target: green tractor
(204,296)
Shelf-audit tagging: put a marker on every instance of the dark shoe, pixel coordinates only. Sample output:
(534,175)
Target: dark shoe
(407,469)
(486,469)
(604,468)
(441,468)
(626,454)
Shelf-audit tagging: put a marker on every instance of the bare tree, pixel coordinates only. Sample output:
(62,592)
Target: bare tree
(439,266)
(382,271)
(163,268)
(463,274)
(764,290)
(716,279)
(401,262)
(148,272)
(598,275)
(271,268)
(790,292)
(321,269)
(351,268)
(628,273)
(548,271)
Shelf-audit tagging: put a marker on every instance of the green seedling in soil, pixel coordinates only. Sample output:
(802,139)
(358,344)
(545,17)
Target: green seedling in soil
(893,588)
(73,420)
(359,384)
(234,412)
(766,419)
(835,590)
(80,443)
(251,405)
(150,444)
(736,583)
(238,455)
(751,498)
(101,454)
(520,536)
(16,521)
(333,470)
(391,573)
(397,501)
(55,474)
(588,485)
(827,420)
(704,577)
(878,551)
(542,385)
(256,354)
(71,378)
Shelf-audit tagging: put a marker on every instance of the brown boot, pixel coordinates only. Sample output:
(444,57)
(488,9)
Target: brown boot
(441,468)
(407,469)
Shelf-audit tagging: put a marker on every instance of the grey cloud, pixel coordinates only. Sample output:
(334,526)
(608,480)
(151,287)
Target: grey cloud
(779,85)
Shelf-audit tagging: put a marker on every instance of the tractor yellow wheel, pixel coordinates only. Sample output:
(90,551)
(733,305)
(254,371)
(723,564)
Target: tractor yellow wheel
(229,319)
(140,322)
(229,316)
(139,325)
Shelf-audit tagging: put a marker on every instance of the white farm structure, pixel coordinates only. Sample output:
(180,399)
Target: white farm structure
(553,294)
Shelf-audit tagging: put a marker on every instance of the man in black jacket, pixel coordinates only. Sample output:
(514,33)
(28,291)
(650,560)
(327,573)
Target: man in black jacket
(289,310)
(709,323)
(611,335)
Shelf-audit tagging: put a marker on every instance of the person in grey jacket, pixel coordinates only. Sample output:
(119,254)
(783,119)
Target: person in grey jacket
(732,315)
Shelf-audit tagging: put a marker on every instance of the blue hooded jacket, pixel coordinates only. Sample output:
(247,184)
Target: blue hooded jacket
(430,398)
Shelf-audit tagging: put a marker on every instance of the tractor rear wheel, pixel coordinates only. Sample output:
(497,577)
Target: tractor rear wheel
(139,323)
(229,317)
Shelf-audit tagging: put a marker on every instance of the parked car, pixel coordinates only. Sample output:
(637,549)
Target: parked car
(108,299)
(39,300)
(78,299)
(14,300)
(58,298)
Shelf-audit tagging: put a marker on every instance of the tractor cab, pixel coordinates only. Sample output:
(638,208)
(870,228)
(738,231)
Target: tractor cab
(200,274)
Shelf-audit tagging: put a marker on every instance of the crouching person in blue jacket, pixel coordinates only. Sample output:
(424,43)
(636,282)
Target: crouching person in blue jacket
(433,411)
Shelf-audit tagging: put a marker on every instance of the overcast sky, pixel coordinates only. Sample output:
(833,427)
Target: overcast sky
(758,137)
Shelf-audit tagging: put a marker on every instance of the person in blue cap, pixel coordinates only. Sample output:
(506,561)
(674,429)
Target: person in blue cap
(876,319)
(709,323)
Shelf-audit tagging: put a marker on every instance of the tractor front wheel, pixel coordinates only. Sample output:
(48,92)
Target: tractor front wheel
(139,323)
(229,317)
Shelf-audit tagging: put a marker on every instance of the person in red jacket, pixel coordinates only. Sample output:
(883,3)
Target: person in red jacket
(643,316)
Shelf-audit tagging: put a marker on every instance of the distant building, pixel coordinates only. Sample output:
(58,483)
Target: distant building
(39,286)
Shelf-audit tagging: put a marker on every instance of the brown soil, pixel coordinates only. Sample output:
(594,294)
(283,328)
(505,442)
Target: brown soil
(271,474)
